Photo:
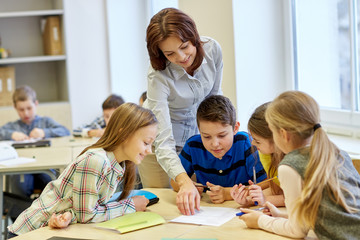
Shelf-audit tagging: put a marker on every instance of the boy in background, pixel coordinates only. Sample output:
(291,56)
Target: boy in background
(219,156)
(97,127)
(29,126)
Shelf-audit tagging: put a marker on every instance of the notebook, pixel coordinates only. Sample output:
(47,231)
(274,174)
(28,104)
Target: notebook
(32,143)
(133,221)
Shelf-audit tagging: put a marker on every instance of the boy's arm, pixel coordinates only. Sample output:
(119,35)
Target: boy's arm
(6,131)
(53,129)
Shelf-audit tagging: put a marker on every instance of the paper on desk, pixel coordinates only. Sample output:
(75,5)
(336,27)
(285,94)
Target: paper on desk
(212,216)
(16,161)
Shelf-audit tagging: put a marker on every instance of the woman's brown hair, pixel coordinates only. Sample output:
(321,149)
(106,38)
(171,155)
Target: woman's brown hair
(175,23)
(123,123)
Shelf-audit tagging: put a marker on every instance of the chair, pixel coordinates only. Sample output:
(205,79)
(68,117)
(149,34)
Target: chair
(356,163)
(14,205)
(152,174)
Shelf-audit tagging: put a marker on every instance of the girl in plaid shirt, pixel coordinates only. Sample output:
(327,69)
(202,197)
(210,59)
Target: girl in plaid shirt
(82,192)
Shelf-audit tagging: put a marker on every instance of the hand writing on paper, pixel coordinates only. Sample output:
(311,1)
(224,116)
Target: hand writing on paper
(19,136)
(216,193)
(37,133)
(140,203)
(60,221)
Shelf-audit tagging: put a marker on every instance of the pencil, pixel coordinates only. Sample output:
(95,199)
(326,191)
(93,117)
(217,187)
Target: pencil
(265,181)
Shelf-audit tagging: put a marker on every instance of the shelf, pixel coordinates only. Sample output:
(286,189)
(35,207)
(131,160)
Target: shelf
(31,13)
(32,59)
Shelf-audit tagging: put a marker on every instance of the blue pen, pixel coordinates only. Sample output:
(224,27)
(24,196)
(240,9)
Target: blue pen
(256,209)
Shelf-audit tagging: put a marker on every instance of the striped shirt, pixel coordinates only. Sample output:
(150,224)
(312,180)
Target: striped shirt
(235,167)
(84,189)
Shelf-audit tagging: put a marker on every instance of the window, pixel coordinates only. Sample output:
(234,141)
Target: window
(326,59)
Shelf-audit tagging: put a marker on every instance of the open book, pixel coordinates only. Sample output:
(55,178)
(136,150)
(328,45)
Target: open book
(132,221)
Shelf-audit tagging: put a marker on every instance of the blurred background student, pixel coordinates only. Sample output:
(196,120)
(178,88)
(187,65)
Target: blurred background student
(97,127)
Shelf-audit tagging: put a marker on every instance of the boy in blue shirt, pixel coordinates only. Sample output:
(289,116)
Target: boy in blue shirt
(29,126)
(220,156)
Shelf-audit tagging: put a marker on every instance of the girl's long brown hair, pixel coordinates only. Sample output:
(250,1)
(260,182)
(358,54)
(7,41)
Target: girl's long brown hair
(297,113)
(258,125)
(171,22)
(123,123)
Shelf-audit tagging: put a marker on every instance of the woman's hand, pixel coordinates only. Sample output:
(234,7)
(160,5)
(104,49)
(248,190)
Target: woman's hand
(216,193)
(188,197)
(140,203)
(241,195)
(60,221)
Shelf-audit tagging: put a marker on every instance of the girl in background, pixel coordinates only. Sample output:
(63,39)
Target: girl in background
(270,157)
(82,192)
(320,183)
(185,69)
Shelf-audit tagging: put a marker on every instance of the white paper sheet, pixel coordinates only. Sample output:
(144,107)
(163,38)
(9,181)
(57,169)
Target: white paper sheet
(16,161)
(212,216)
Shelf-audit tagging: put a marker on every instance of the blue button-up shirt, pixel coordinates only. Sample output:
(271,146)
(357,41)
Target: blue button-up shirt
(235,167)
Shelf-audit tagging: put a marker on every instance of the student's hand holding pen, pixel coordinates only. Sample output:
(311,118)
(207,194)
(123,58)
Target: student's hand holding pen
(240,194)
(216,193)
(256,194)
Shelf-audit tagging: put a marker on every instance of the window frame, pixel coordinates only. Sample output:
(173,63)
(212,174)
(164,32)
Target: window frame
(335,121)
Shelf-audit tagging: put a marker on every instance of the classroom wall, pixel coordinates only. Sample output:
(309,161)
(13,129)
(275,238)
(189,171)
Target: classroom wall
(87,58)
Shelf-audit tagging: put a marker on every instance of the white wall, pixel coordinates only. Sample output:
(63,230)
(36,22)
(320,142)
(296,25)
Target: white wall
(87,58)
(260,51)
(127,47)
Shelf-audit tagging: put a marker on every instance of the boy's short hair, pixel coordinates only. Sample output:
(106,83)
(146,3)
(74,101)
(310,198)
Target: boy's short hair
(112,101)
(216,108)
(24,93)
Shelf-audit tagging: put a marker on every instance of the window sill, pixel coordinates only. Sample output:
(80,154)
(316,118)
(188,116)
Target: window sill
(349,144)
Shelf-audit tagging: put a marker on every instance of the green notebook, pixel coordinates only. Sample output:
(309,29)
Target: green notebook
(133,221)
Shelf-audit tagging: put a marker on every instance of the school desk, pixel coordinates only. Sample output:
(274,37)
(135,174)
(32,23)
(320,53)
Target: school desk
(166,207)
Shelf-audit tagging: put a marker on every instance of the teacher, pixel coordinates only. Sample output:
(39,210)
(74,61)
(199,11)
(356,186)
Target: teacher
(185,69)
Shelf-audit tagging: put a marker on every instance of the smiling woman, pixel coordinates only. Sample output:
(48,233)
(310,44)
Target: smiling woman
(185,68)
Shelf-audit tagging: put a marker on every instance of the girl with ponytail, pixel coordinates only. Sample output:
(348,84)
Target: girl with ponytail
(320,183)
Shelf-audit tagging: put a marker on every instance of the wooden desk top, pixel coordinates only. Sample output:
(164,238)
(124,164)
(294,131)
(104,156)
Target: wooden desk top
(234,229)
(46,158)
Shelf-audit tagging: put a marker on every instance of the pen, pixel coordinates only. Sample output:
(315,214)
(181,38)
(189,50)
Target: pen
(254,176)
(256,209)
(206,188)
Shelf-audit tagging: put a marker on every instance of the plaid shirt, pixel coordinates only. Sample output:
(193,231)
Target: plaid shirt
(84,189)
